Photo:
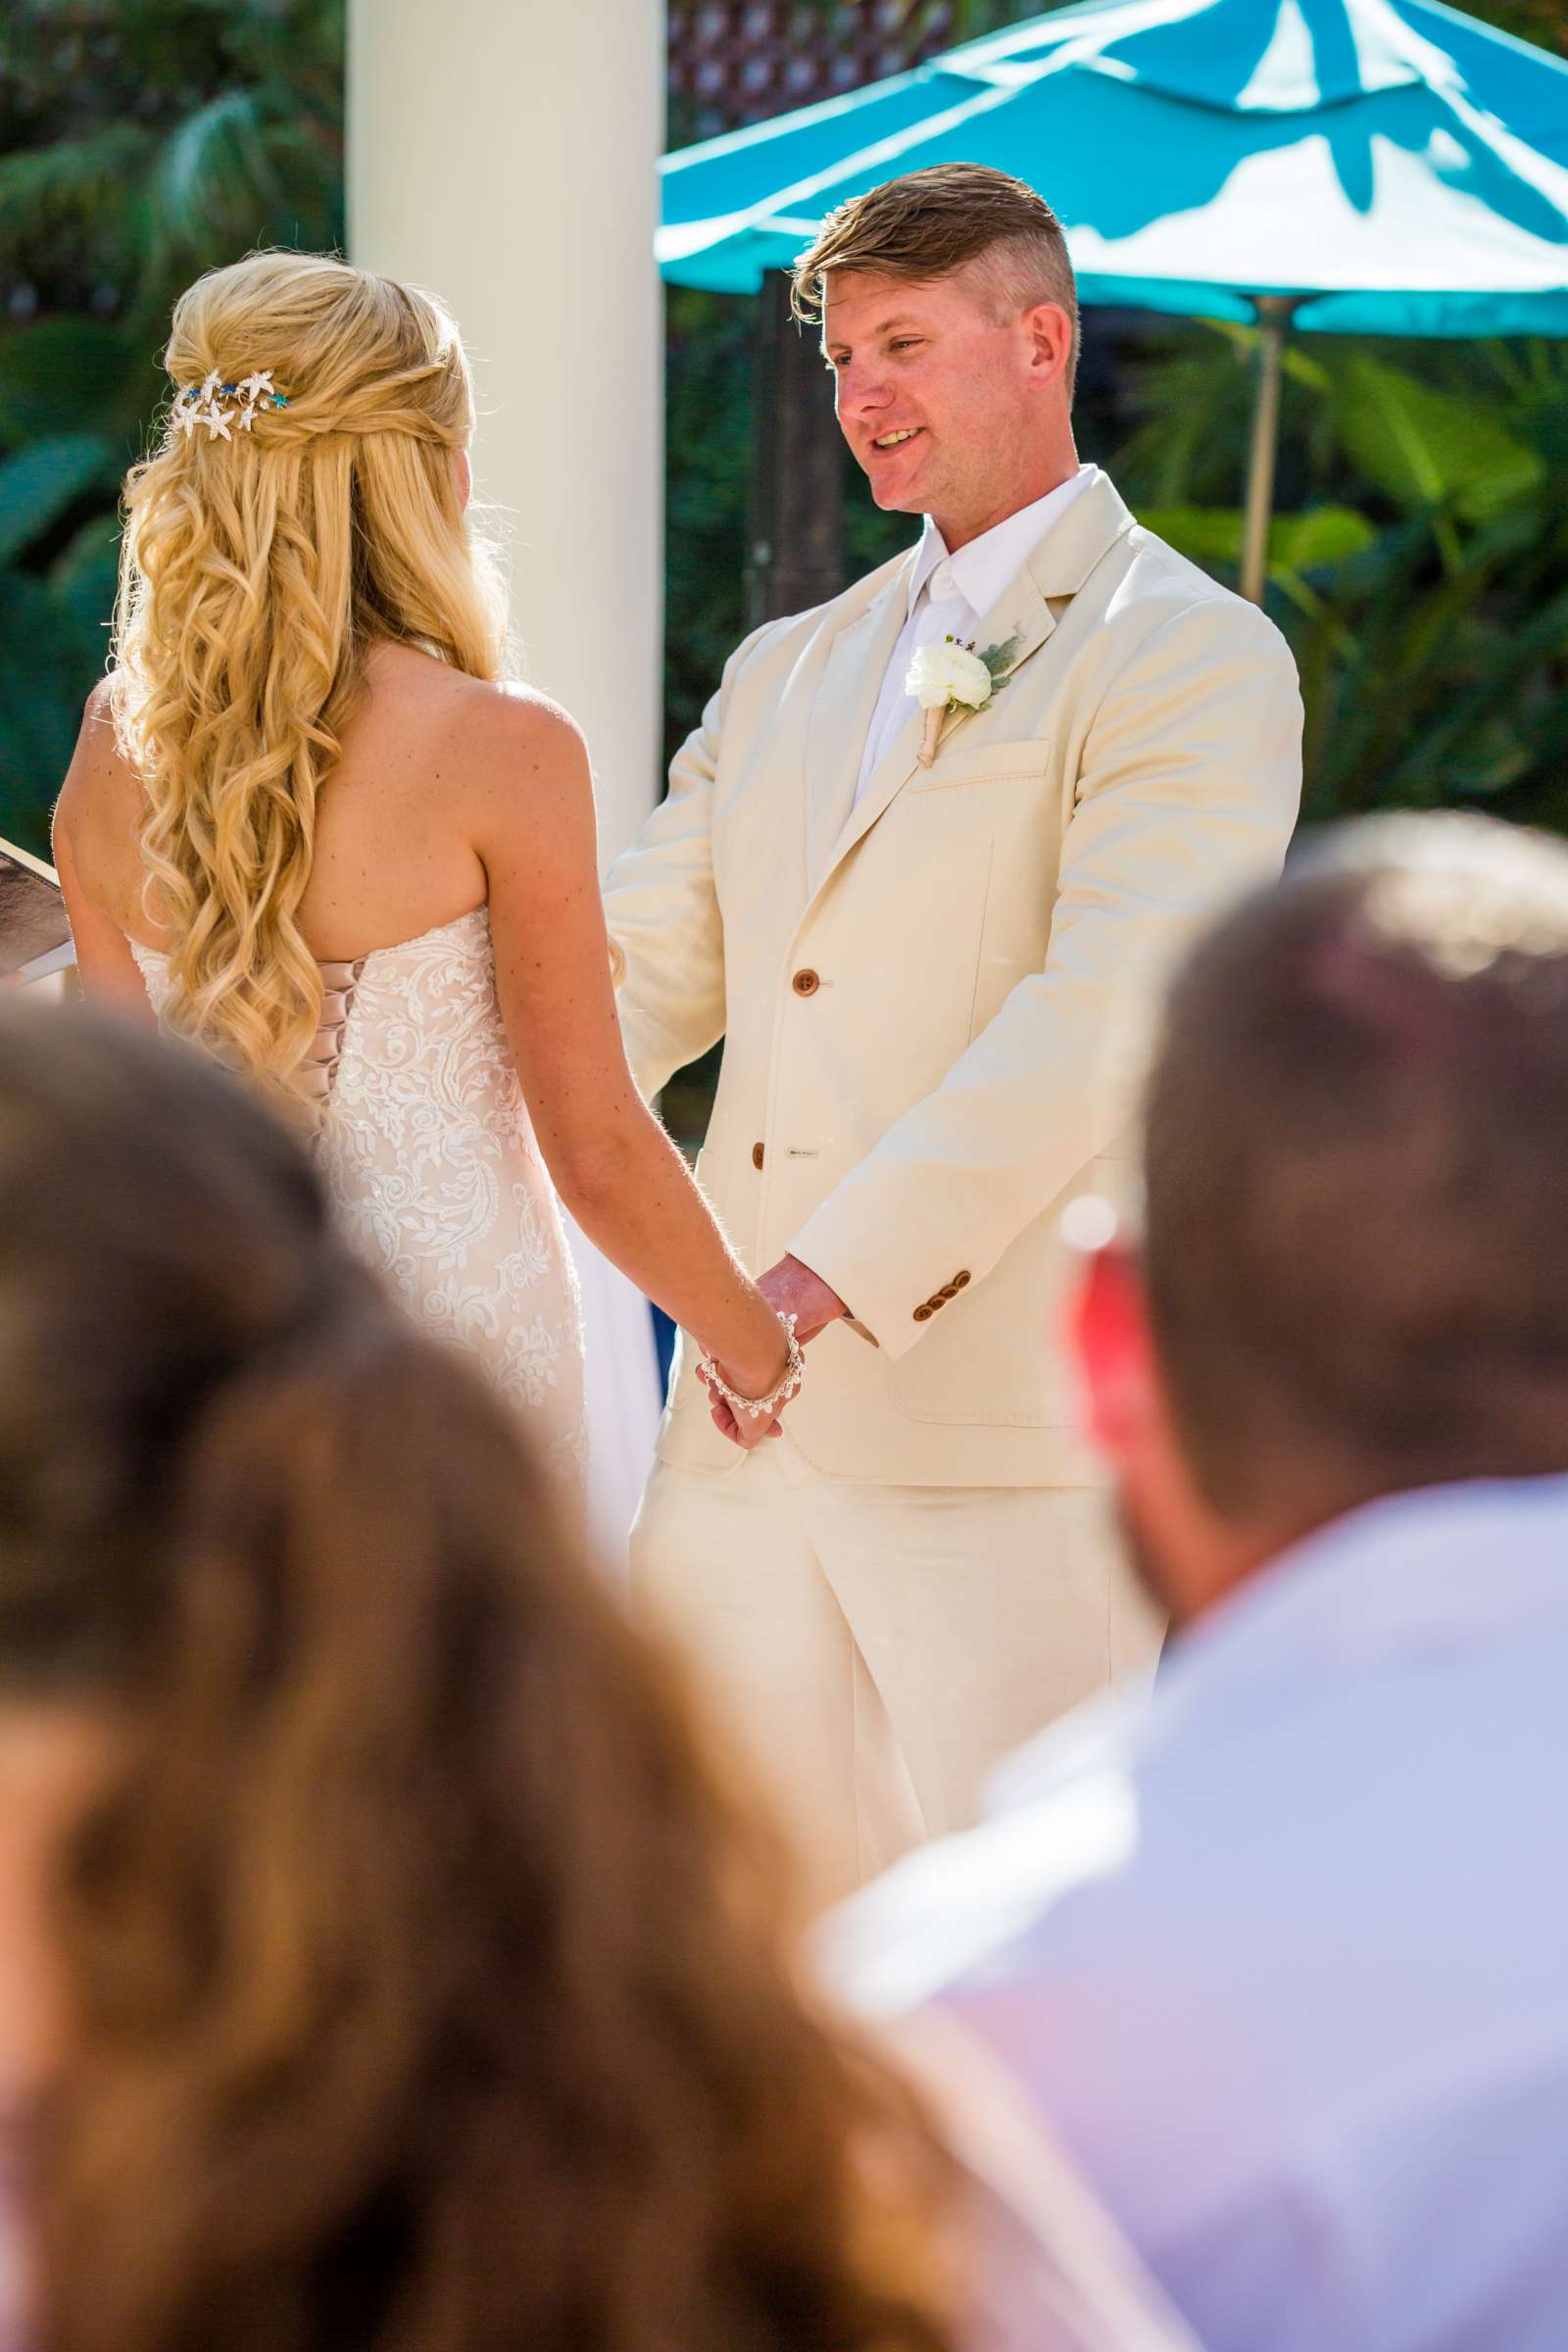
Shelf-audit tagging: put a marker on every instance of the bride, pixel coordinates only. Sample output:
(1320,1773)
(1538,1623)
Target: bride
(309,825)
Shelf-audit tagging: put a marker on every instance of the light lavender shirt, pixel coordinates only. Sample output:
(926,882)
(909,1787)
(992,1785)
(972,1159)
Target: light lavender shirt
(1283,1953)
(951,595)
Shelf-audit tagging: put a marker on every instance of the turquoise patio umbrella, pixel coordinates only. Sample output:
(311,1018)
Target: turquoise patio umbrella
(1340,166)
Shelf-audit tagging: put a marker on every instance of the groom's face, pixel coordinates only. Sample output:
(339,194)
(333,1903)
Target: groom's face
(940,400)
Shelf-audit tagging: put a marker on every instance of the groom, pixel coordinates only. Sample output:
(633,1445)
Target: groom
(928,972)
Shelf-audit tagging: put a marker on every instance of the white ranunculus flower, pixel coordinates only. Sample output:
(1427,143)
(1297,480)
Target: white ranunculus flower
(946,673)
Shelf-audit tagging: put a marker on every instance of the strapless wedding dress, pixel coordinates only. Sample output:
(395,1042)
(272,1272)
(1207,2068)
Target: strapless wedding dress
(424,1144)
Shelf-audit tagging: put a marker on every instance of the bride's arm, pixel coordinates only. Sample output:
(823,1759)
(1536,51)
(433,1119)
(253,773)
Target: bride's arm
(529,800)
(99,796)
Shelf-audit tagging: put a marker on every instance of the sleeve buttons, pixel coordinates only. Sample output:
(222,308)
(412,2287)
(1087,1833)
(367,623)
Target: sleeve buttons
(940,1299)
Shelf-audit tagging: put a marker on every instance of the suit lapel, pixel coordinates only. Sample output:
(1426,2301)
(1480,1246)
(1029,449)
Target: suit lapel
(842,713)
(1022,613)
(1054,571)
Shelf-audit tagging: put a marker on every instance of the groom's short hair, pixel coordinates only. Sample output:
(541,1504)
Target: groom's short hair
(931,225)
(1355,1161)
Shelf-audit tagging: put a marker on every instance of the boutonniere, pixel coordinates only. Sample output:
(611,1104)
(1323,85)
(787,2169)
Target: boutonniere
(953,676)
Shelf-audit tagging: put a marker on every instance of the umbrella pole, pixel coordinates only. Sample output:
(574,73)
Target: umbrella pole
(1274,319)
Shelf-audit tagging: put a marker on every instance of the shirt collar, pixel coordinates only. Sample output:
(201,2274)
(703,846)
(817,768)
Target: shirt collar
(1423,1574)
(1439,1567)
(982,569)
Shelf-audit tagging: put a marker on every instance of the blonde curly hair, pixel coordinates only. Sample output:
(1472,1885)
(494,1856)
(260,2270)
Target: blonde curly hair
(256,574)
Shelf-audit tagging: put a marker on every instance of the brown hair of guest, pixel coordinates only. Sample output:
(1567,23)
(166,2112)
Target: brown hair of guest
(935,223)
(1357,1145)
(427,1980)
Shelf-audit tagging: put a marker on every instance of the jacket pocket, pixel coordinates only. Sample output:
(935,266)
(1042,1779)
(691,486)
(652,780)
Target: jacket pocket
(984,764)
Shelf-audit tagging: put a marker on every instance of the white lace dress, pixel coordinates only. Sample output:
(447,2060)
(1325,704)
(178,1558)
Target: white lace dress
(425,1144)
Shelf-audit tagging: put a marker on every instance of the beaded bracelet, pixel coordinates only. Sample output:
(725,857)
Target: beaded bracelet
(788,1386)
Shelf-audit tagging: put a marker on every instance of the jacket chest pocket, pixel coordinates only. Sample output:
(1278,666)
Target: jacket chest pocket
(968,764)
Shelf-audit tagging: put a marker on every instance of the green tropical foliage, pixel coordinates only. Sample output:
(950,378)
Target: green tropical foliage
(708,428)
(141,142)
(1422,570)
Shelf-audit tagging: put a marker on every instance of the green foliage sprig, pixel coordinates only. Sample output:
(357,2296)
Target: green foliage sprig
(140,145)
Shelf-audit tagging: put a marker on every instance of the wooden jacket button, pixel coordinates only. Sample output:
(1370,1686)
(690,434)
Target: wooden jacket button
(960,1280)
(806,984)
(923,1315)
(758,1155)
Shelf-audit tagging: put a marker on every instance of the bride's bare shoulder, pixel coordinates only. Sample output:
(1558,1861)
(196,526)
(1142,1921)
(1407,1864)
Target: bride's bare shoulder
(517,742)
(100,786)
(405,681)
(404,675)
(483,746)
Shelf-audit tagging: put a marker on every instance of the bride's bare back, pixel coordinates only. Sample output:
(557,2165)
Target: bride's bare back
(395,851)
(453,794)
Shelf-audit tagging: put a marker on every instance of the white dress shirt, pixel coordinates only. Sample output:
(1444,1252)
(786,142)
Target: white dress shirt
(1283,1954)
(951,595)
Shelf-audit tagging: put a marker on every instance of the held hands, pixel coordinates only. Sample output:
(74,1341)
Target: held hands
(790,1288)
(744,1429)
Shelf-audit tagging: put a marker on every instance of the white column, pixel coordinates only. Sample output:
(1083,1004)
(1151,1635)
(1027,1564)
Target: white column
(502,152)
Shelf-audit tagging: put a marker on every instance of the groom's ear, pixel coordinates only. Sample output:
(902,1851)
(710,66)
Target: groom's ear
(1050,333)
(1108,1324)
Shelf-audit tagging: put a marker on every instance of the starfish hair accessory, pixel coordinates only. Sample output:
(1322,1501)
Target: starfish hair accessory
(220,406)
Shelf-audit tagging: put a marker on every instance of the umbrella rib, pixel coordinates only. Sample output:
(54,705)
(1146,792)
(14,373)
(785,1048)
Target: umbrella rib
(671,243)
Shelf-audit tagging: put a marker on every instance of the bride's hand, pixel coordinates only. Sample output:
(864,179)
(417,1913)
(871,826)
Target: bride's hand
(743,1429)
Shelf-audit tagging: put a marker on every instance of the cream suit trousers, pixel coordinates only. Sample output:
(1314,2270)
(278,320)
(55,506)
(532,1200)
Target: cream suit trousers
(875,1649)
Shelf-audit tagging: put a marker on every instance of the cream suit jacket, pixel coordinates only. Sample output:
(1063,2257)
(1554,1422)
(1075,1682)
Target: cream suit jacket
(930,1001)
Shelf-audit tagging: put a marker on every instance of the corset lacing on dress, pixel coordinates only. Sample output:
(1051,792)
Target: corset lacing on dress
(318,1072)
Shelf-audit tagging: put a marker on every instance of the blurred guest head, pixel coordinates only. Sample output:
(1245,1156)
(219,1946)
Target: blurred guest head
(272,537)
(950,320)
(1353,1280)
(401,1971)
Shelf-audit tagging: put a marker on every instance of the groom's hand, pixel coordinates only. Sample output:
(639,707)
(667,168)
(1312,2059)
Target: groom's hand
(792,1289)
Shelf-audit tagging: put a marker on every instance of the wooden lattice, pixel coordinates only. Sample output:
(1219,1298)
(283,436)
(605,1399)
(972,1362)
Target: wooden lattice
(733,62)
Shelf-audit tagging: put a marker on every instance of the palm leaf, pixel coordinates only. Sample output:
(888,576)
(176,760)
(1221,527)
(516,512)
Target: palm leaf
(82,581)
(98,377)
(40,700)
(72,180)
(214,188)
(78,201)
(40,484)
(1425,447)
(1297,543)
